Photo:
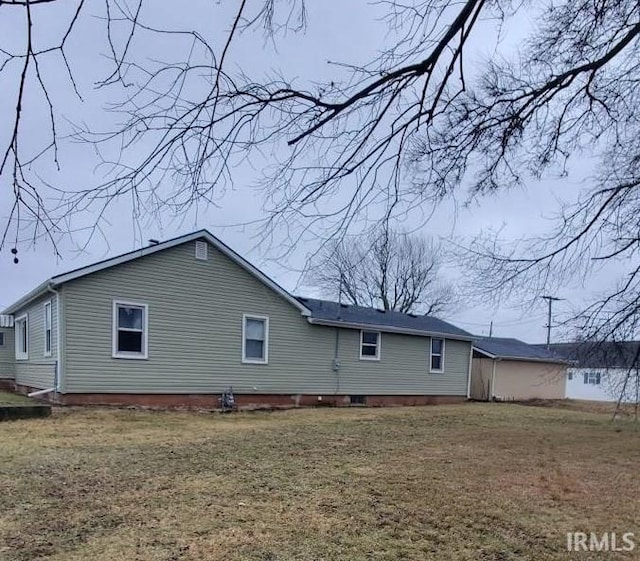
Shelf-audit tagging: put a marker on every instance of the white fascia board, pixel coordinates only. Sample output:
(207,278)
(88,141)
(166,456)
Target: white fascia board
(215,242)
(485,353)
(387,329)
(521,358)
(534,359)
(257,273)
(35,293)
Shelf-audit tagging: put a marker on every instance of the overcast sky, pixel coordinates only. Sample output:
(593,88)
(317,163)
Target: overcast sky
(334,33)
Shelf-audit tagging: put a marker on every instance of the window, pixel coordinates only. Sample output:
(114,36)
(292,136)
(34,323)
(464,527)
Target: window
(130,330)
(47,329)
(255,339)
(437,355)
(1,339)
(592,378)
(570,375)
(369,345)
(22,337)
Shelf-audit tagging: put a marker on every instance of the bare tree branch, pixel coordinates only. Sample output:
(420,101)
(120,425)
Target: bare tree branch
(386,270)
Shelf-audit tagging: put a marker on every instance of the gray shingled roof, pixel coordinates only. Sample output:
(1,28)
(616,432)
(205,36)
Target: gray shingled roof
(501,347)
(332,312)
(604,354)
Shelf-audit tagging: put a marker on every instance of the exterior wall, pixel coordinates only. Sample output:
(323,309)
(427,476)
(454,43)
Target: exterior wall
(481,369)
(38,371)
(243,401)
(612,385)
(520,380)
(195,311)
(403,366)
(7,355)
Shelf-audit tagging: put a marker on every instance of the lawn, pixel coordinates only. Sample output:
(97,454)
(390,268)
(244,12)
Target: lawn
(7,398)
(475,482)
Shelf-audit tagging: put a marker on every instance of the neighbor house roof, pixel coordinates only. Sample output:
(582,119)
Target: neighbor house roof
(325,312)
(603,354)
(514,349)
(57,280)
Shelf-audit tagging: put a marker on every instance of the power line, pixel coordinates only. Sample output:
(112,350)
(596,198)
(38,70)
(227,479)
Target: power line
(510,323)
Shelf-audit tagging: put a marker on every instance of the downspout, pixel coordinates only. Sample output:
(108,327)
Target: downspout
(469,372)
(336,361)
(41,392)
(56,373)
(493,378)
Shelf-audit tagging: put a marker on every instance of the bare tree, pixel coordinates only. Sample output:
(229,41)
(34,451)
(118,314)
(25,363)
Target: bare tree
(404,129)
(386,270)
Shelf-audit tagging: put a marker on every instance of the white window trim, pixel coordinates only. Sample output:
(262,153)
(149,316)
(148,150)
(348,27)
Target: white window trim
(246,360)
(145,331)
(444,345)
(48,305)
(595,376)
(378,346)
(19,354)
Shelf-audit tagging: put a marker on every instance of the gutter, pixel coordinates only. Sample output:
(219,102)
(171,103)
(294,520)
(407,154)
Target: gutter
(389,329)
(550,360)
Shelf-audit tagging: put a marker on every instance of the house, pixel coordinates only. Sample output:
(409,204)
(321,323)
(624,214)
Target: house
(602,371)
(179,322)
(7,356)
(510,369)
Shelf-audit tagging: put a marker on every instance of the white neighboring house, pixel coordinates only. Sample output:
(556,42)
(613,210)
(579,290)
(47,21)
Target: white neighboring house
(602,371)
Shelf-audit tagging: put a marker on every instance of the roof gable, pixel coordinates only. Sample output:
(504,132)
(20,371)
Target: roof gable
(514,349)
(149,250)
(602,354)
(325,312)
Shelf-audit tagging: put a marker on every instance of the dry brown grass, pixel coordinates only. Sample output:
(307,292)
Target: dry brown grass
(625,410)
(474,482)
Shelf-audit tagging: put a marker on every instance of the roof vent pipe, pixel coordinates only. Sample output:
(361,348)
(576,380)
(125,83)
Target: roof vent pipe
(153,241)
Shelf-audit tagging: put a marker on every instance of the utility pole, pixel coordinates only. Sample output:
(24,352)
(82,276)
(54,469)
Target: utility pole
(550,300)
(491,329)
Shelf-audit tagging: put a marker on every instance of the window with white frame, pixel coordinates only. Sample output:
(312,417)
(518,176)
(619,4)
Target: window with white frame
(255,339)
(592,378)
(436,360)
(22,337)
(130,330)
(369,345)
(47,329)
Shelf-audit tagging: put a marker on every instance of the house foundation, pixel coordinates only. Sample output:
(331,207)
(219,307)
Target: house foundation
(243,401)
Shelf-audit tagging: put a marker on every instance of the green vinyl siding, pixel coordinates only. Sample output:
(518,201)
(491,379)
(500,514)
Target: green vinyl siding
(38,371)
(195,311)
(7,354)
(403,367)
